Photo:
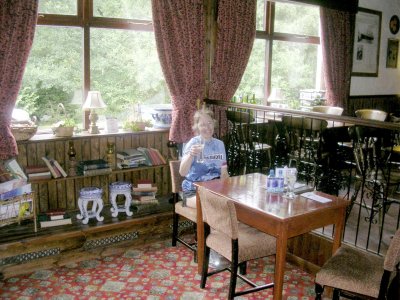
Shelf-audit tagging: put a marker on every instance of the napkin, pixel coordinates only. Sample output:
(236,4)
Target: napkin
(312,196)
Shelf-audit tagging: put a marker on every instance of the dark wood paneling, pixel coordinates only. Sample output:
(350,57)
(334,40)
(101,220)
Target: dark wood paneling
(388,103)
(64,192)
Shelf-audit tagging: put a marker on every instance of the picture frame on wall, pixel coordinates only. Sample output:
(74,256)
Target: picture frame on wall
(367,38)
(392,53)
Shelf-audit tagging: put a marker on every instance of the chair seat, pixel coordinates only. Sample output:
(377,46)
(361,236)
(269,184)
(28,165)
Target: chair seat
(264,246)
(187,212)
(353,271)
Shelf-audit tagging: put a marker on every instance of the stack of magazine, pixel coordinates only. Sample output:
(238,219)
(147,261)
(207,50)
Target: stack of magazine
(93,167)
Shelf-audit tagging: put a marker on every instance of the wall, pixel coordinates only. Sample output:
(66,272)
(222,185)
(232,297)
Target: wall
(388,80)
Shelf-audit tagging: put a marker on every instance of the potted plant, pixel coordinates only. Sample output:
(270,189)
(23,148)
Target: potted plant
(136,123)
(64,127)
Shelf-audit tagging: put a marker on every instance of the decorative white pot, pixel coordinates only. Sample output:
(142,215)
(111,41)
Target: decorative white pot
(111,125)
(162,116)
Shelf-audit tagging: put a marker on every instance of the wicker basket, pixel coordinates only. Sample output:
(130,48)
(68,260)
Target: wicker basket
(23,133)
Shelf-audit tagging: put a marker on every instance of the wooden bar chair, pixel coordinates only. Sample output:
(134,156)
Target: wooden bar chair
(236,241)
(179,209)
(355,274)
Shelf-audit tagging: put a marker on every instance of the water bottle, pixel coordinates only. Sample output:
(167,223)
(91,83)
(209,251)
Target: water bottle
(271,181)
(280,182)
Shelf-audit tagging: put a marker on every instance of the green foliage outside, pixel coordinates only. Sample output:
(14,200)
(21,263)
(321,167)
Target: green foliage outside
(125,66)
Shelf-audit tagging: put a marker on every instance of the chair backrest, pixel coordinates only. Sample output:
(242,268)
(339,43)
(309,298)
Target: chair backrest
(304,123)
(176,178)
(219,213)
(392,257)
(332,110)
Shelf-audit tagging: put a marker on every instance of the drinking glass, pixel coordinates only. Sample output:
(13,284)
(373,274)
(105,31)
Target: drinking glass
(291,177)
(200,157)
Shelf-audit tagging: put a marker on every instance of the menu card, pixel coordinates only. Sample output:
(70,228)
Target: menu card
(312,196)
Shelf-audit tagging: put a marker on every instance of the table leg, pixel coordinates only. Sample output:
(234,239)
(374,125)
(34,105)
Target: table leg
(280,261)
(200,235)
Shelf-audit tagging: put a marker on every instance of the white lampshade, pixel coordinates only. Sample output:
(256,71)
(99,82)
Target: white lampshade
(94,100)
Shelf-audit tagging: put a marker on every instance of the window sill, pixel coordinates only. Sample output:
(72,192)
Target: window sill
(39,137)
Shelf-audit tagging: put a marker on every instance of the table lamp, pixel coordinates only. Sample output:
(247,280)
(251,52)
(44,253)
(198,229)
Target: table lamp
(92,102)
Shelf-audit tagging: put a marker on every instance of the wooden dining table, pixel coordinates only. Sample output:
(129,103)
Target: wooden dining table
(275,215)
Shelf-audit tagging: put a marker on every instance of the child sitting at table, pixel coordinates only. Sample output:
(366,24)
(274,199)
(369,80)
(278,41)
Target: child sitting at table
(204,157)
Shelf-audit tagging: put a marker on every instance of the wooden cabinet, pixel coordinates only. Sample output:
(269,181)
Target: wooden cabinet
(63,192)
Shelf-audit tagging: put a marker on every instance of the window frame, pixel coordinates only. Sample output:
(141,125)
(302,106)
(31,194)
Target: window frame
(269,35)
(85,20)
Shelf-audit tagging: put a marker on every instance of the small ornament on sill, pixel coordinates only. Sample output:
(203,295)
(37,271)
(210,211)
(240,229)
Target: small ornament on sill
(72,159)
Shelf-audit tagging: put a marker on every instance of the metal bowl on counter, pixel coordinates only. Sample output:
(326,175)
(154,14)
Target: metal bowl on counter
(371,114)
(331,110)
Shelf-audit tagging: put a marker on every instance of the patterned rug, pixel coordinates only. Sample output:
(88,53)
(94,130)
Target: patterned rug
(156,271)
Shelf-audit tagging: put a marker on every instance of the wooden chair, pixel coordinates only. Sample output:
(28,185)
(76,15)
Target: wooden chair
(245,147)
(356,274)
(179,209)
(304,143)
(235,241)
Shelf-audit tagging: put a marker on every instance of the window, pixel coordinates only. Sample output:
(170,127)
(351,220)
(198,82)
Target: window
(285,55)
(112,51)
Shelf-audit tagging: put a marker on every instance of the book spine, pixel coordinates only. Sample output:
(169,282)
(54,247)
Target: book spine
(59,168)
(97,172)
(95,166)
(36,169)
(51,168)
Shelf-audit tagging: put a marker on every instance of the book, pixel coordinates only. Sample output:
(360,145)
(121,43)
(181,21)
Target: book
(14,169)
(144,183)
(160,156)
(94,164)
(56,217)
(144,193)
(13,188)
(145,202)
(136,189)
(143,197)
(52,223)
(39,176)
(59,168)
(129,154)
(54,171)
(146,155)
(97,172)
(154,158)
(36,169)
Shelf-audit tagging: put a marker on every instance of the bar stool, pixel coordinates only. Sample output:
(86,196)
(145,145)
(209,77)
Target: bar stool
(120,188)
(86,195)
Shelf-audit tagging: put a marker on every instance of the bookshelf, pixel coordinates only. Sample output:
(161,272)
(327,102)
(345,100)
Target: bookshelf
(64,192)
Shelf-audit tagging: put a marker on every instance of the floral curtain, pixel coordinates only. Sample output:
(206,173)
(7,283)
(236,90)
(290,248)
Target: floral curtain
(236,32)
(179,27)
(17,29)
(337,34)
(235,37)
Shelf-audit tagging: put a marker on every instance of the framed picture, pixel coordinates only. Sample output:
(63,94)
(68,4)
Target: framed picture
(367,38)
(392,53)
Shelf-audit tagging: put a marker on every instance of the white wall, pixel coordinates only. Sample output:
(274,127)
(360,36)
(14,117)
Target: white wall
(388,80)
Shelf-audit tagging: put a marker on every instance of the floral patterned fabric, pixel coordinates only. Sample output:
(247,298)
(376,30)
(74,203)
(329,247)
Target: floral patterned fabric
(17,29)
(235,37)
(179,27)
(337,48)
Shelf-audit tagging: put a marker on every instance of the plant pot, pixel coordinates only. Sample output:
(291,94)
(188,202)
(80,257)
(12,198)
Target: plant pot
(162,116)
(63,131)
(112,125)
